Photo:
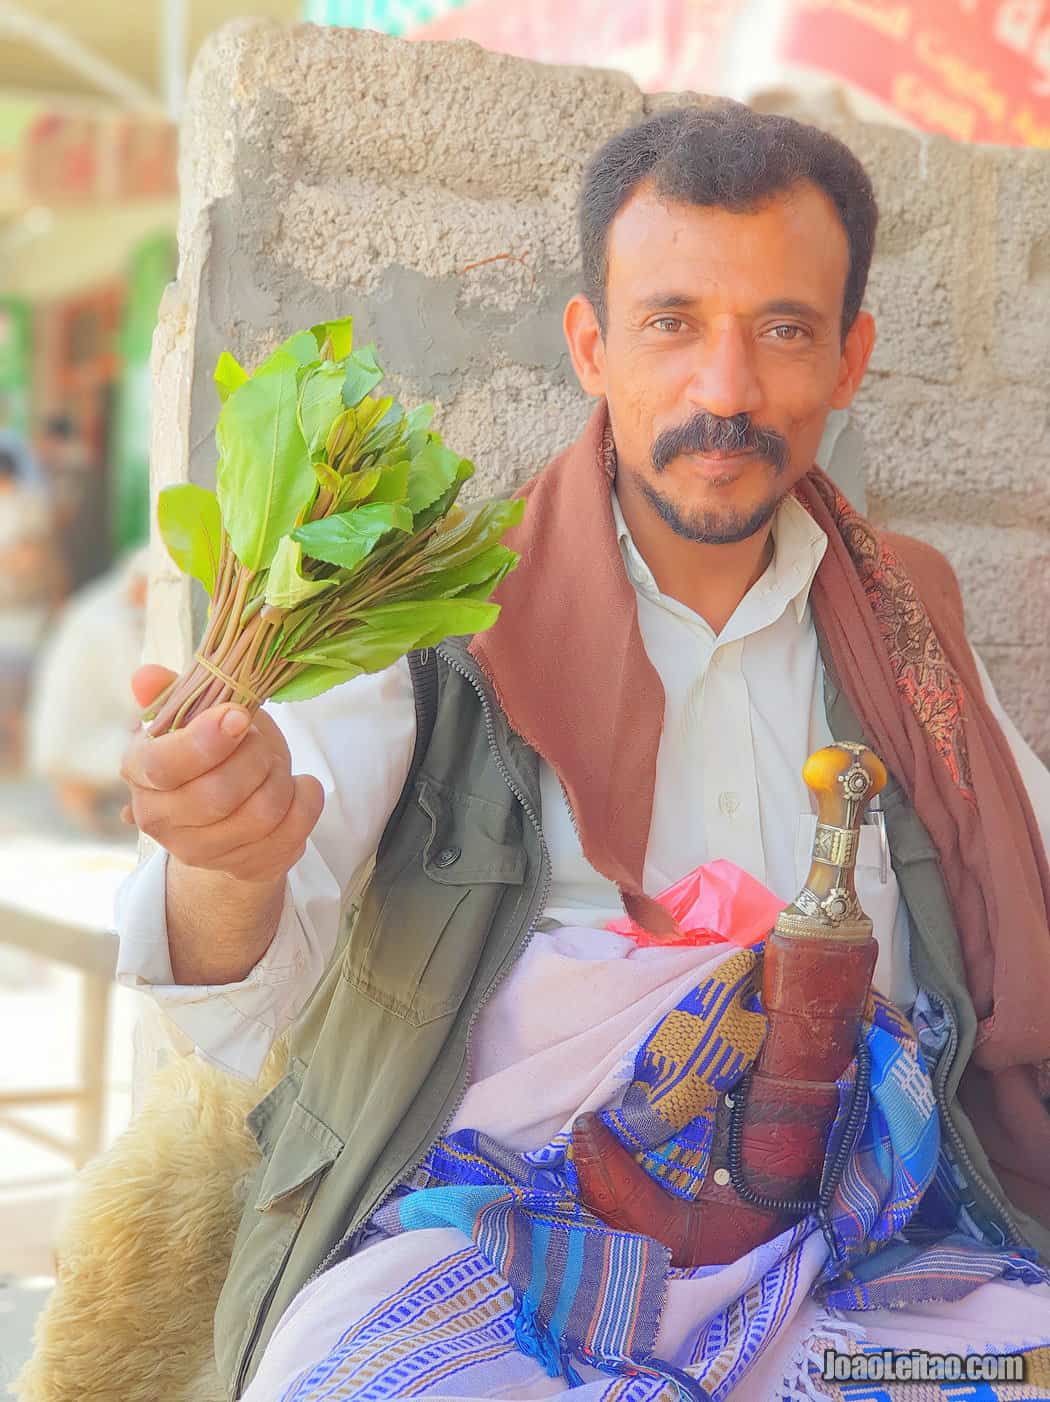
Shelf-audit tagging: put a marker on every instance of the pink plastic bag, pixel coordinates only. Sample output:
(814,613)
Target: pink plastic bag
(718,903)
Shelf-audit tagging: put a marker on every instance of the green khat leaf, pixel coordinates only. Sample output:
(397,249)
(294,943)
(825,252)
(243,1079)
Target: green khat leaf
(340,333)
(370,413)
(301,347)
(370,649)
(350,537)
(312,681)
(327,477)
(418,419)
(479,576)
(480,529)
(388,631)
(191,527)
(363,373)
(264,475)
(357,486)
(228,375)
(320,403)
(286,587)
(429,621)
(433,472)
(391,482)
(384,443)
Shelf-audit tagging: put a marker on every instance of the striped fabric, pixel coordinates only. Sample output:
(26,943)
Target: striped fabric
(559,1286)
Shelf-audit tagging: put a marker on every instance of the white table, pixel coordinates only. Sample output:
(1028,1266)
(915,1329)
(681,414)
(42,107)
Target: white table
(56,901)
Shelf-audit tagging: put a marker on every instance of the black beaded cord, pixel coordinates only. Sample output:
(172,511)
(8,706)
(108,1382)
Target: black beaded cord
(833,1173)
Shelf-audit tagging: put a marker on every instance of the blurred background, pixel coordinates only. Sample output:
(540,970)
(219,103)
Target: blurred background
(90,101)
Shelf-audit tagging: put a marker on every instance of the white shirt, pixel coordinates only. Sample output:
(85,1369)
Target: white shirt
(743,711)
(81,711)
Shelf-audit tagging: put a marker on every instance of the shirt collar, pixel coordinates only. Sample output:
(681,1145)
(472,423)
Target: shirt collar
(798,548)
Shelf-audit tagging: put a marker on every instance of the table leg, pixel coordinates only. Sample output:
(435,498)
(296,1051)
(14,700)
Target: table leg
(94,1052)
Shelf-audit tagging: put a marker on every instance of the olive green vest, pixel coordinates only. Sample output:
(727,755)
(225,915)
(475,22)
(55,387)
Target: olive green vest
(379,1055)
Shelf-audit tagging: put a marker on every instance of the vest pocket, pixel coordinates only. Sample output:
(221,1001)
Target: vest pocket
(426,913)
(297,1150)
(305,1148)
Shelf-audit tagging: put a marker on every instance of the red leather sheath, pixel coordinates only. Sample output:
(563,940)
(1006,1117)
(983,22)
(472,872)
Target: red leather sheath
(814,992)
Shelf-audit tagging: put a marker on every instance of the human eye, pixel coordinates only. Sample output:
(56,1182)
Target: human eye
(668,324)
(795,333)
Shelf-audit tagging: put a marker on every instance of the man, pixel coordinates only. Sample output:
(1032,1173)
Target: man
(80,708)
(32,582)
(695,612)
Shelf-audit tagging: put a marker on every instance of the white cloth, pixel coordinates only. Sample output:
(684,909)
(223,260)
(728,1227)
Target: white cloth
(81,711)
(567,1048)
(743,712)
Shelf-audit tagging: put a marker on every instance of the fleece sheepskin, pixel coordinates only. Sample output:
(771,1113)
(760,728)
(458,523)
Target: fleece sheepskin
(145,1244)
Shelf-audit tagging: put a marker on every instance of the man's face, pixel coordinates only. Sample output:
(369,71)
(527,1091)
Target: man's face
(722,355)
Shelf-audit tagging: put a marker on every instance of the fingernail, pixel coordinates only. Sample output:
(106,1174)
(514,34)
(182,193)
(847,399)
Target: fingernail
(235,722)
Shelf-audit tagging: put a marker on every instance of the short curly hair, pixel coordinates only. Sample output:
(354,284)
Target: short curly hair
(727,156)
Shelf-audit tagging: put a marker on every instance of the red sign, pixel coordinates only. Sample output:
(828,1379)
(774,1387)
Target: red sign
(665,45)
(978,70)
(69,157)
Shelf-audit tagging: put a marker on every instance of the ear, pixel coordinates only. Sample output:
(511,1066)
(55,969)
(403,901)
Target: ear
(856,352)
(586,346)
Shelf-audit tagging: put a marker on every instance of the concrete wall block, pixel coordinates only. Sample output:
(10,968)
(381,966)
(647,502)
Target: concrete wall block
(959,454)
(1022,304)
(355,103)
(916,286)
(343,235)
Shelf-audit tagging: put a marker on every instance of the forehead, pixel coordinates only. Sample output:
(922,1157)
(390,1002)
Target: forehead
(794,245)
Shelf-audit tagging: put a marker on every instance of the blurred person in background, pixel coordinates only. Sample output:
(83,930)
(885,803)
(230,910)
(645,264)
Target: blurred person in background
(32,584)
(14,444)
(81,709)
(80,500)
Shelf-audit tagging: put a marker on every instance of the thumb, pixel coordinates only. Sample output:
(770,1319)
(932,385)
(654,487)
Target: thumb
(149,681)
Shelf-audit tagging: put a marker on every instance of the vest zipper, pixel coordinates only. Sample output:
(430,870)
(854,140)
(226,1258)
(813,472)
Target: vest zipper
(538,908)
(940,1075)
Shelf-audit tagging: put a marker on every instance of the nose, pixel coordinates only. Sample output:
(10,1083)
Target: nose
(724,381)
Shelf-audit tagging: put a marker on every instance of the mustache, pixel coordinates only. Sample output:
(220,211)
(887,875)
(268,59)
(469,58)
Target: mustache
(707,433)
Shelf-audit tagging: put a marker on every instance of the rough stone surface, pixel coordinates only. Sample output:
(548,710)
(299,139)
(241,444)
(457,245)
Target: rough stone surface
(430,191)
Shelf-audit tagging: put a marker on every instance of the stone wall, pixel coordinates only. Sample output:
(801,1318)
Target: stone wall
(429,190)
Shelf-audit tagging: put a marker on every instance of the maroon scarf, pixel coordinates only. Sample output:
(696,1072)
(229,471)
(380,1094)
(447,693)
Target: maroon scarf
(569,669)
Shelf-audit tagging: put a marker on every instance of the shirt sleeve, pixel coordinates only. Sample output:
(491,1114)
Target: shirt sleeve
(1034,773)
(357,739)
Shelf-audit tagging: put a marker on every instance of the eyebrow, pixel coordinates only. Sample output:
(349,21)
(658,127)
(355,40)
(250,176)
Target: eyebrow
(659,300)
(783,306)
(786,306)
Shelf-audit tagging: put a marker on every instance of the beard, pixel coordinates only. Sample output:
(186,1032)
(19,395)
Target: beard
(707,433)
(711,527)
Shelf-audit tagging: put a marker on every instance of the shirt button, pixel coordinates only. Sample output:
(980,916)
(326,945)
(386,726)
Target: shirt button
(728,803)
(447,856)
(298,960)
(721,1176)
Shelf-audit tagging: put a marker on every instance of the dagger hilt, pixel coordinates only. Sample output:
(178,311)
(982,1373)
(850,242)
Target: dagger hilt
(843,778)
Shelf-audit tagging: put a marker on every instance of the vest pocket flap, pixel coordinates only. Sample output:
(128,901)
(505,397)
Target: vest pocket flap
(267,1119)
(459,850)
(305,1148)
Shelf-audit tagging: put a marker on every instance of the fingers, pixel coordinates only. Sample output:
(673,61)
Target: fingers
(263,861)
(219,793)
(149,681)
(215,795)
(271,733)
(167,762)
